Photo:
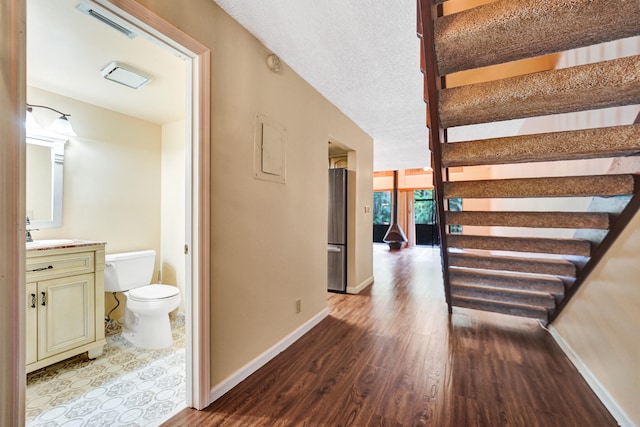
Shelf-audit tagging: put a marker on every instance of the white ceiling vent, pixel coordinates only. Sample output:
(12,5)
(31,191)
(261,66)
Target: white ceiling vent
(87,10)
(125,75)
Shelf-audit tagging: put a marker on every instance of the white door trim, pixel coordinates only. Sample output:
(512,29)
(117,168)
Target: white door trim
(198,187)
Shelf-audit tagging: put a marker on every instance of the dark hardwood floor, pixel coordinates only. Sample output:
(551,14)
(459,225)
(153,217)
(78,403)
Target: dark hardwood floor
(392,356)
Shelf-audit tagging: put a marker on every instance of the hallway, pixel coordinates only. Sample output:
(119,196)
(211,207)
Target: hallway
(392,356)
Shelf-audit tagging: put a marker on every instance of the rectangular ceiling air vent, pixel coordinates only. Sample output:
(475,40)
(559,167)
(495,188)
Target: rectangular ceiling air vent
(87,10)
(125,75)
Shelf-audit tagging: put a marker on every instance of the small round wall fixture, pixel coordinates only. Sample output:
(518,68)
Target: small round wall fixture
(273,62)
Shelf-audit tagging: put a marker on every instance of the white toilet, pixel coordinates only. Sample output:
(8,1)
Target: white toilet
(146,316)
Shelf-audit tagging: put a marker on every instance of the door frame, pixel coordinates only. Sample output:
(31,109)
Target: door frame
(198,187)
(12,181)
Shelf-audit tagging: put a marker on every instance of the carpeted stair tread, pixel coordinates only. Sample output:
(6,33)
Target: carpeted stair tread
(526,282)
(515,296)
(556,267)
(520,310)
(570,186)
(577,247)
(517,29)
(613,141)
(593,220)
(587,87)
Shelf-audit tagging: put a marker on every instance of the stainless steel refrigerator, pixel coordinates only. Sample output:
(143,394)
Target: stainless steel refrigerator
(337,236)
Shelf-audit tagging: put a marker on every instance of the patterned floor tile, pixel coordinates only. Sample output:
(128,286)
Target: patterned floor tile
(125,386)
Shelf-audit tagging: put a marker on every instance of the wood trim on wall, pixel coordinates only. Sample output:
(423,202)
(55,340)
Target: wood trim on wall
(12,211)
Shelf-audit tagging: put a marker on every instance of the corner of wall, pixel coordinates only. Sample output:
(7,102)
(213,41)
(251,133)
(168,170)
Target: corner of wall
(607,400)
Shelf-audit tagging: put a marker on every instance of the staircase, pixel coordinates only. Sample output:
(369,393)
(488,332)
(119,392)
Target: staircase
(498,266)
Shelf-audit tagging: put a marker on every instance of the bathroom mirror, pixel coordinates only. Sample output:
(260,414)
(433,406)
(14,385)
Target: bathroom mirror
(45,159)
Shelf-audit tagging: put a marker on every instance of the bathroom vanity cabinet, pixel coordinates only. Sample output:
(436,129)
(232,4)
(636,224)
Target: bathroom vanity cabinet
(65,302)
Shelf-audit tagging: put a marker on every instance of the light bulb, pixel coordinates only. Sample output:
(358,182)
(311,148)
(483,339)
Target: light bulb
(30,121)
(62,126)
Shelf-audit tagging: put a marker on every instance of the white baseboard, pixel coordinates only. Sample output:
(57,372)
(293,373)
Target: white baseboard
(237,377)
(360,287)
(616,411)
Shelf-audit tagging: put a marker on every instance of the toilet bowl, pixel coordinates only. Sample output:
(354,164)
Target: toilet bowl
(146,317)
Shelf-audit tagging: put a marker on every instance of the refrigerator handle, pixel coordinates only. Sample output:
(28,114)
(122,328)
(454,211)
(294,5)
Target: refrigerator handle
(333,248)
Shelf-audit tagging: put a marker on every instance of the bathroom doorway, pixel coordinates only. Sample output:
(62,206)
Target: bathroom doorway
(132,15)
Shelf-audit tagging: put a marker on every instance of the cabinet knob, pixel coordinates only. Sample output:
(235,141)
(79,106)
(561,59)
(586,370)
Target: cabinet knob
(33,300)
(44,298)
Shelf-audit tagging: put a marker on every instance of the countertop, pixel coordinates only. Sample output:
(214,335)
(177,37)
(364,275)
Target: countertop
(48,244)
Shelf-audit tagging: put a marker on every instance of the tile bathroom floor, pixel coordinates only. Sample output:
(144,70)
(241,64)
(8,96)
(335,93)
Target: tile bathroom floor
(125,386)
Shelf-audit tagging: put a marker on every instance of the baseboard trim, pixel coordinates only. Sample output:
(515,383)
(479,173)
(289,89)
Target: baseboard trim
(360,287)
(607,400)
(237,377)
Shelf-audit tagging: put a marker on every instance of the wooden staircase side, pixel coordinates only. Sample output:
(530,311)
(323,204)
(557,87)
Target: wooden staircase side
(513,261)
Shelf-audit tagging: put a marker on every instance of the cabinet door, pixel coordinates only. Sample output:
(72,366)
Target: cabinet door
(66,314)
(32,323)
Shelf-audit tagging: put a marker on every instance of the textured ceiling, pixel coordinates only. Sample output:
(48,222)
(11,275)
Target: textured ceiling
(362,55)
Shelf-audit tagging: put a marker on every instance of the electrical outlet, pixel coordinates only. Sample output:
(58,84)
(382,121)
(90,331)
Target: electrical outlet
(298,305)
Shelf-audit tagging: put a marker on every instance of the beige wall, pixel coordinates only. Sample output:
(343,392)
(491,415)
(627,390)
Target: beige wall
(600,324)
(172,258)
(111,178)
(269,241)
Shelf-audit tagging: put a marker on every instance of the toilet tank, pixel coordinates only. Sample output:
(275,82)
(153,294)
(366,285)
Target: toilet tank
(128,270)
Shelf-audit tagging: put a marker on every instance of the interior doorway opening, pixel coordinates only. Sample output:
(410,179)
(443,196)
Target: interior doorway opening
(131,14)
(197,179)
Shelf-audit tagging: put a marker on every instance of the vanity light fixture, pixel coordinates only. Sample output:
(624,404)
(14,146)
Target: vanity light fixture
(61,125)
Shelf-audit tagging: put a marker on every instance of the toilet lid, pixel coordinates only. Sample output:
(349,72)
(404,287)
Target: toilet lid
(153,292)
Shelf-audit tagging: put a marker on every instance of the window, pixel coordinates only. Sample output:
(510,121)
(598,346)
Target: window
(382,207)
(424,207)
(381,214)
(455,205)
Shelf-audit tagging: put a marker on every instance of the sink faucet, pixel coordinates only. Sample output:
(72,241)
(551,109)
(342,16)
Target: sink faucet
(29,230)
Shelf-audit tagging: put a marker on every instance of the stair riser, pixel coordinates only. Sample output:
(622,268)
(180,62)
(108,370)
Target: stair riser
(524,266)
(545,246)
(547,302)
(499,308)
(551,287)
